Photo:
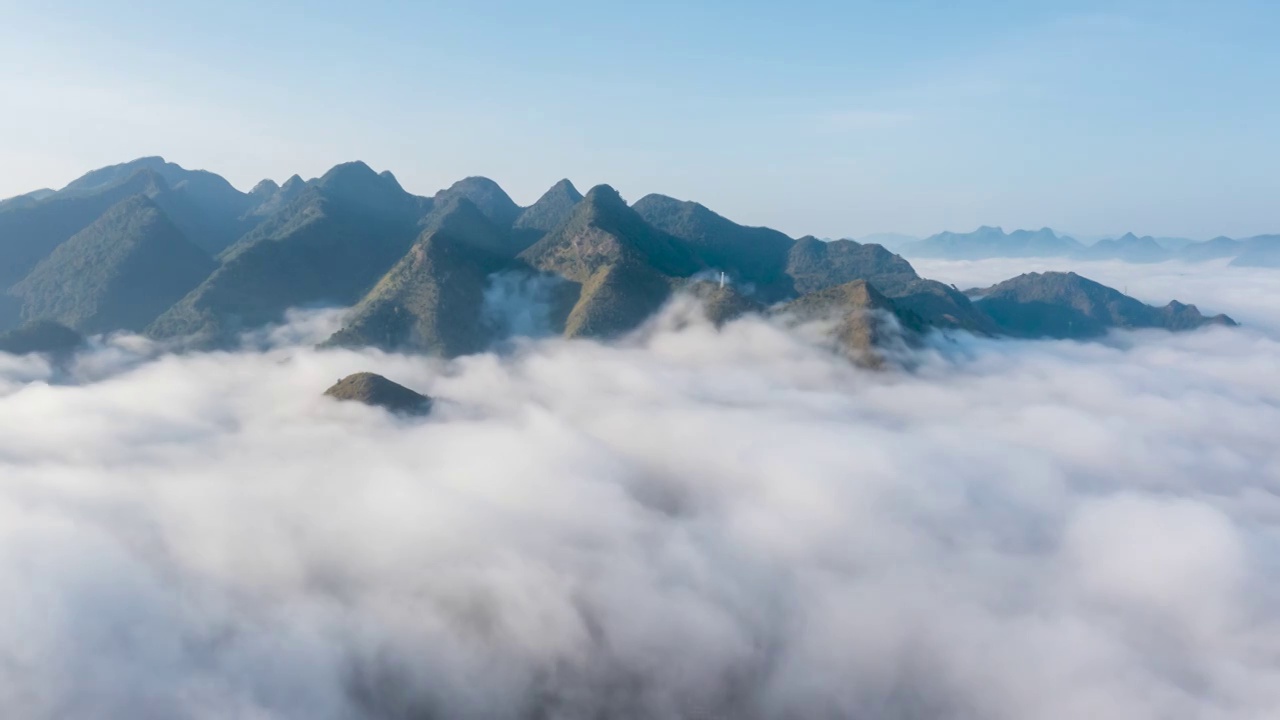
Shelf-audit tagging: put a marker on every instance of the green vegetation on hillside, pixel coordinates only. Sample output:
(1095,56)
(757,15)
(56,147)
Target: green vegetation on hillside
(119,273)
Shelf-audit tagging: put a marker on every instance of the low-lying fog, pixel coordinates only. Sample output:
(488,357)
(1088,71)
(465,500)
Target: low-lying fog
(692,523)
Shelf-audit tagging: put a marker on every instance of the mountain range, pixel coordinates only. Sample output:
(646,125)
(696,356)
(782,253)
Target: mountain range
(993,242)
(181,255)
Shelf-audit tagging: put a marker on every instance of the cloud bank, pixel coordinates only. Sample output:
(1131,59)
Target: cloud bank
(693,523)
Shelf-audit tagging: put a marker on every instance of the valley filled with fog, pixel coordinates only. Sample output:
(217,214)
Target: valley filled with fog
(688,522)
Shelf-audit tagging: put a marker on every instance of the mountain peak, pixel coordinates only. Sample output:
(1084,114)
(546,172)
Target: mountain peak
(487,195)
(347,172)
(565,187)
(265,187)
(377,391)
(604,196)
(549,212)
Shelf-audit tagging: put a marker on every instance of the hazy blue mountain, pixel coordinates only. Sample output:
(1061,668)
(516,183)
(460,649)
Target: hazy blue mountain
(1128,248)
(1173,244)
(993,242)
(549,212)
(431,300)
(328,246)
(206,207)
(753,255)
(120,273)
(268,198)
(1219,247)
(487,195)
(1066,305)
(28,233)
(1259,251)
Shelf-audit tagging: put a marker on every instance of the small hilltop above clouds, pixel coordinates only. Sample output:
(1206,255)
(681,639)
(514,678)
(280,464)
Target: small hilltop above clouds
(183,256)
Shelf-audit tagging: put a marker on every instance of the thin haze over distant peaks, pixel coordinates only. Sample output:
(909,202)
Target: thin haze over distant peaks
(836,119)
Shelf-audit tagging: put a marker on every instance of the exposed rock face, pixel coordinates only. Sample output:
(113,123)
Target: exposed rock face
(377,391)
(864,320)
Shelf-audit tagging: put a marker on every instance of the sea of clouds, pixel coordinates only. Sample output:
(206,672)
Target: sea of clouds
(693,523)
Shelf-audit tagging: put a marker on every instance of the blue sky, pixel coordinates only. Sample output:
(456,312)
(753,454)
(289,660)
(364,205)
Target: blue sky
(830,118)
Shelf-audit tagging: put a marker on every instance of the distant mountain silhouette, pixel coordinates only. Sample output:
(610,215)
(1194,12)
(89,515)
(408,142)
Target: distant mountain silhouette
(120,273)
(1219,247)
(992,242)
(1261,251)
(1129,248)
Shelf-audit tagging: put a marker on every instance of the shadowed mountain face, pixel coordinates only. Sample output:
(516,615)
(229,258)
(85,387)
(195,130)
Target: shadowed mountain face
(551,211)
(120,273)
(750,255)
(1065,305)
(29,233)
(327,246)
(813,264)
(41,336)
(376,391)
(204,206)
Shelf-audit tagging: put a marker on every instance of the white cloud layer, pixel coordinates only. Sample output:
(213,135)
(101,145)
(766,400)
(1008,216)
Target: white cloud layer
(693,524)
